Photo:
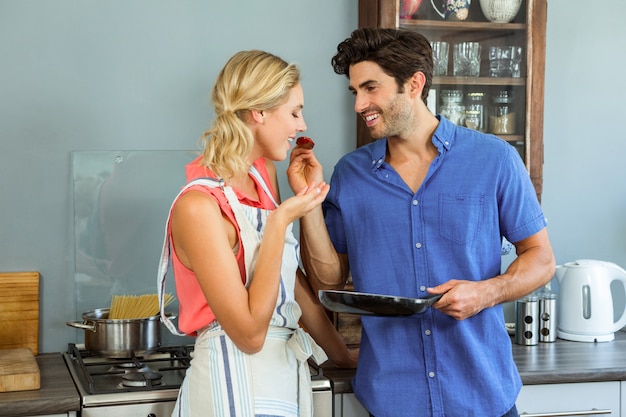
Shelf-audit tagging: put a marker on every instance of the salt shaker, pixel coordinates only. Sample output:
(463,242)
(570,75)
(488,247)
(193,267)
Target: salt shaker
(526,324)
(547,314)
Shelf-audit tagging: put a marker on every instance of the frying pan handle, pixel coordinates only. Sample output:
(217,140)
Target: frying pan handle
(432,299)
(82,325)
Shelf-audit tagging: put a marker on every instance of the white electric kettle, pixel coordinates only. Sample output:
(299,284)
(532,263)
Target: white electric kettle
(585,307)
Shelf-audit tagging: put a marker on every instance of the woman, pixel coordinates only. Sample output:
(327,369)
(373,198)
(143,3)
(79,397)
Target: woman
(235,260)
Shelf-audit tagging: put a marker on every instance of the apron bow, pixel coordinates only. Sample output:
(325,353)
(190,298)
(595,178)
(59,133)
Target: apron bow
(304,347)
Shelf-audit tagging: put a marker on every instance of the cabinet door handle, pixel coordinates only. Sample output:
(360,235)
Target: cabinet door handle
(592,412)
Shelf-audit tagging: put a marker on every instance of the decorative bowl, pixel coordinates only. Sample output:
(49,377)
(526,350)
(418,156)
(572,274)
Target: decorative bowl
(408,8)
(500,11)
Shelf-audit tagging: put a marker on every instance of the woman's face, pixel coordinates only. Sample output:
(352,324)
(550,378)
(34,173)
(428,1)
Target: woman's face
(280,126)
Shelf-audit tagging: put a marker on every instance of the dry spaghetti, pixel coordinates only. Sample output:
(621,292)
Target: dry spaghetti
(126,307)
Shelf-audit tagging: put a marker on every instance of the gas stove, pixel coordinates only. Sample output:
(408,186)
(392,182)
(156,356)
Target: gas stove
(149,385)
(155,378)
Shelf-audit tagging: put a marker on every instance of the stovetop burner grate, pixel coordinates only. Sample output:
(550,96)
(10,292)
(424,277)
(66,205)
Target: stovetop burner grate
(161,370)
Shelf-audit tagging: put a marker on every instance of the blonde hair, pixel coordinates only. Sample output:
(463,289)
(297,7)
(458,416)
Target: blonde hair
(250,80)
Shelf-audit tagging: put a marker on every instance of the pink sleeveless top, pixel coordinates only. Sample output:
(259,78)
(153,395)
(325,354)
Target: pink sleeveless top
(194,312)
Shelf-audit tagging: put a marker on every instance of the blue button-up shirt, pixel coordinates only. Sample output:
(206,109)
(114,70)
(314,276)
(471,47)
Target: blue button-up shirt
(476,191)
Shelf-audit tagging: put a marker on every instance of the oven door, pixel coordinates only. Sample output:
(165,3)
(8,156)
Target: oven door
(323,403)
(157,409)
(322,406)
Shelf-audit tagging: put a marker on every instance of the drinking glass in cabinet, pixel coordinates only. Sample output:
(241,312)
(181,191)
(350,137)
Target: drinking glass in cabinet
(467,59)
(505,61)
(440,58)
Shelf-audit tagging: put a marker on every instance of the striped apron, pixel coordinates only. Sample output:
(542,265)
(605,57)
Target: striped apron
(222,380)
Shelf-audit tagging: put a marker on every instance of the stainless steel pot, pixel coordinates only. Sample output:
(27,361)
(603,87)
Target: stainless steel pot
(119,338)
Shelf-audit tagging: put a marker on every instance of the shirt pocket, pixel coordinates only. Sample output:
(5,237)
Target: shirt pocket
(460,216)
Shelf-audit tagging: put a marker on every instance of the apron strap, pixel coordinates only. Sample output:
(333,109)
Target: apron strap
(164,261)
(256,174)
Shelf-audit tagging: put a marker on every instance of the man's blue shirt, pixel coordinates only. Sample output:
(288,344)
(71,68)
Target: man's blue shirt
(476,191)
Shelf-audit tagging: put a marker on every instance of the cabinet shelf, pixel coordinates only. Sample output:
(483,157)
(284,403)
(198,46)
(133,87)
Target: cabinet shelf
(479,81)
(462,26)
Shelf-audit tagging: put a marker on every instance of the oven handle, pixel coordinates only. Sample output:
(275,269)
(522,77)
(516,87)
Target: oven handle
(593,411)
(82,325)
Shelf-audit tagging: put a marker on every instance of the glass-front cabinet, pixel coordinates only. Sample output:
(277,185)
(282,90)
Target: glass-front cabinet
(489,58)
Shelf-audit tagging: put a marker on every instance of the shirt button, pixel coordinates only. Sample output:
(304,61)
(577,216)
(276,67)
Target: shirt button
(431,374)
(418,245)
(427,332)
(447,143)
(415,202)
(422,287)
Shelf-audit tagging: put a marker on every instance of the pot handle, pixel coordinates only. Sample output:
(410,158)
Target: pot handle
(82,325)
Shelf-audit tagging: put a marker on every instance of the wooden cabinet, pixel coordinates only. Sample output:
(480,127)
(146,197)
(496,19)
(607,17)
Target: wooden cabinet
(527,30)
(348,325)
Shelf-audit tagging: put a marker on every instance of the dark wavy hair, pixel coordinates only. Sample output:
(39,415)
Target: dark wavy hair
(399,52)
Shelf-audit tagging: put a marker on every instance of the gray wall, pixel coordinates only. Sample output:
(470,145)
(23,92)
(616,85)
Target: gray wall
(111,75)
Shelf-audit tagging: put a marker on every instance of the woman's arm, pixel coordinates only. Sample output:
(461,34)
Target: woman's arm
(203,240)
(316,322)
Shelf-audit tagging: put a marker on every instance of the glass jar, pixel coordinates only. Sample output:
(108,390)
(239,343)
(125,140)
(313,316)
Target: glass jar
(472,119)
(475,102)
(452,107)
(502,116)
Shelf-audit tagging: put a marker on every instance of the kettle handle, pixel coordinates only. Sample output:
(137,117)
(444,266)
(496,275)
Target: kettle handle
(621,276)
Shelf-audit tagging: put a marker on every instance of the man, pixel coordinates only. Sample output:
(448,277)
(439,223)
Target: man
(423,210)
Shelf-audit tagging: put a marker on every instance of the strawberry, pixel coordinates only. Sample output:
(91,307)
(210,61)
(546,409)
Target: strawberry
(305,142)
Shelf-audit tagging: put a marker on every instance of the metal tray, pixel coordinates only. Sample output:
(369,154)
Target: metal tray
(374,304)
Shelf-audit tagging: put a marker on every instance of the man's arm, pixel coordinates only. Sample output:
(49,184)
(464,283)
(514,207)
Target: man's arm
(533,268)
(325,268)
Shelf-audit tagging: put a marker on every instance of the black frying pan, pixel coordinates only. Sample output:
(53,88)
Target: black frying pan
(374,304)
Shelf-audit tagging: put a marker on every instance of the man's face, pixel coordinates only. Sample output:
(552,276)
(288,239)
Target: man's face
(385,110)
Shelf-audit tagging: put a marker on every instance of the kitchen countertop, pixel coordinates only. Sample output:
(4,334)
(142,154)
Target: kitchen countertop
(545,363)
(57,393)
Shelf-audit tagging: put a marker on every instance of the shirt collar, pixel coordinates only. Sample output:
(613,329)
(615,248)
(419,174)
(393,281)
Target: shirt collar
(444,134)
(379,152)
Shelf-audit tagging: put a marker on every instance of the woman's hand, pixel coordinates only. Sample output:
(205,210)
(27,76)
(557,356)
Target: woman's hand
(304,169)
(307,199)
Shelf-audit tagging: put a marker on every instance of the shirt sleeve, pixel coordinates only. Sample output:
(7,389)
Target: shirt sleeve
(332,216)
(520,212)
